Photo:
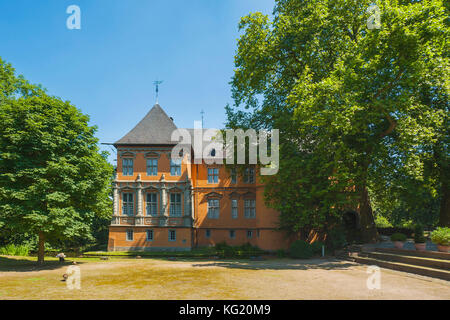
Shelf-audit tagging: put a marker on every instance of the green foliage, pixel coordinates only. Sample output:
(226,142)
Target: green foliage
(337,238)
(441,236)
(382,222)
(398,237)
(13,250)
(365,107)
(301,250)
(242,251)
(53,178)
(418,234)
(317,247)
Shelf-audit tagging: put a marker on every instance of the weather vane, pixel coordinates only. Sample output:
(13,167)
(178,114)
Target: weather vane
(156,84)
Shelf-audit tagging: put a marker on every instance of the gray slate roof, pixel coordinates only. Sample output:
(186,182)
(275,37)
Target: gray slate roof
(155,128)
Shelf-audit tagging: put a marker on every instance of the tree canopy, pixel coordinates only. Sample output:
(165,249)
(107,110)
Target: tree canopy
(355,106)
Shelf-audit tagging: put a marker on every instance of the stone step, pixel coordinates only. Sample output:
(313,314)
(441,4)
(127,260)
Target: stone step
(415,253)
(424,271)
(413,260)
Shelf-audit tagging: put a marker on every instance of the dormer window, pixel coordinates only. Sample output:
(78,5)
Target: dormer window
(127,166)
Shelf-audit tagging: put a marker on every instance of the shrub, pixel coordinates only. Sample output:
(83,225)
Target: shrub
(337,238)
(221,246)
(398,237)
(243,251)
(281,253)
(418,234)
(13,250)
(301,250)
(317,247)
(441,236)
(391,230)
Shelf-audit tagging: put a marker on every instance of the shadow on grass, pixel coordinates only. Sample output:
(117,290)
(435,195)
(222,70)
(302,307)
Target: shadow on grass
(18,264)
(281,265)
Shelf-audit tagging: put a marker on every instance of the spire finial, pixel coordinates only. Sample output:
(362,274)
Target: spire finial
(156,84)
(202,113)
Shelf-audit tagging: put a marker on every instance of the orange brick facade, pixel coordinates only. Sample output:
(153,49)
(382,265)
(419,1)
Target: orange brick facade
(157,207)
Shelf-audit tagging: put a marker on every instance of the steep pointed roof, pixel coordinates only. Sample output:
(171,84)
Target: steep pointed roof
(155,128)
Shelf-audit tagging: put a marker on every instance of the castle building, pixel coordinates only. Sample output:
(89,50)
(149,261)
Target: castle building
(165,204)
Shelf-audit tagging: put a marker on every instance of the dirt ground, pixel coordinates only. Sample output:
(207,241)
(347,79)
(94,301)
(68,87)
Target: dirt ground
(218,279)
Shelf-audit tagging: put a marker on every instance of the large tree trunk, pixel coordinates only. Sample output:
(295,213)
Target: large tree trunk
(41,248)
(444,216)
(369,233)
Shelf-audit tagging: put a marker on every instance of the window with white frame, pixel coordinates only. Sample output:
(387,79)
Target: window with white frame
(152,204)
(213,175)
(249,175)
(127,166)
(249,234)
(172,235)
(127,204)
(149,235)
(213,208)
(234,208)
(250,208)
(175,167)
(175,204)
(232,234)
(152,167)
(130,235)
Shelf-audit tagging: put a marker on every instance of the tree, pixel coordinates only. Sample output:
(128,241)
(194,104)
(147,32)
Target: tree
(53,179)
(350,102)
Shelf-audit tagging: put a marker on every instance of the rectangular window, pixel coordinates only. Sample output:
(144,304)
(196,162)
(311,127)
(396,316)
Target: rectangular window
(233,176)
(152,167)
(208,233)
(249,175)
(127,204)
(249,208)
(213,175)
(175,204)
(232,234)
(175,167)
(172,235)
(130,235)
(213,208)
(149,235)
(249,234)
(234,208)
(152,204)
(127,167)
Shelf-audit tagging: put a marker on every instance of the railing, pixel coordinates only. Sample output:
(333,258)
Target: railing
(151,221)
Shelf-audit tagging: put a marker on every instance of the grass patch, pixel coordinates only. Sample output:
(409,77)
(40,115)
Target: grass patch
(13,250)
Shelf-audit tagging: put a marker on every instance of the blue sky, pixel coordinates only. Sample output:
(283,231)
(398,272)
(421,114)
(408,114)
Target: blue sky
(107,68)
